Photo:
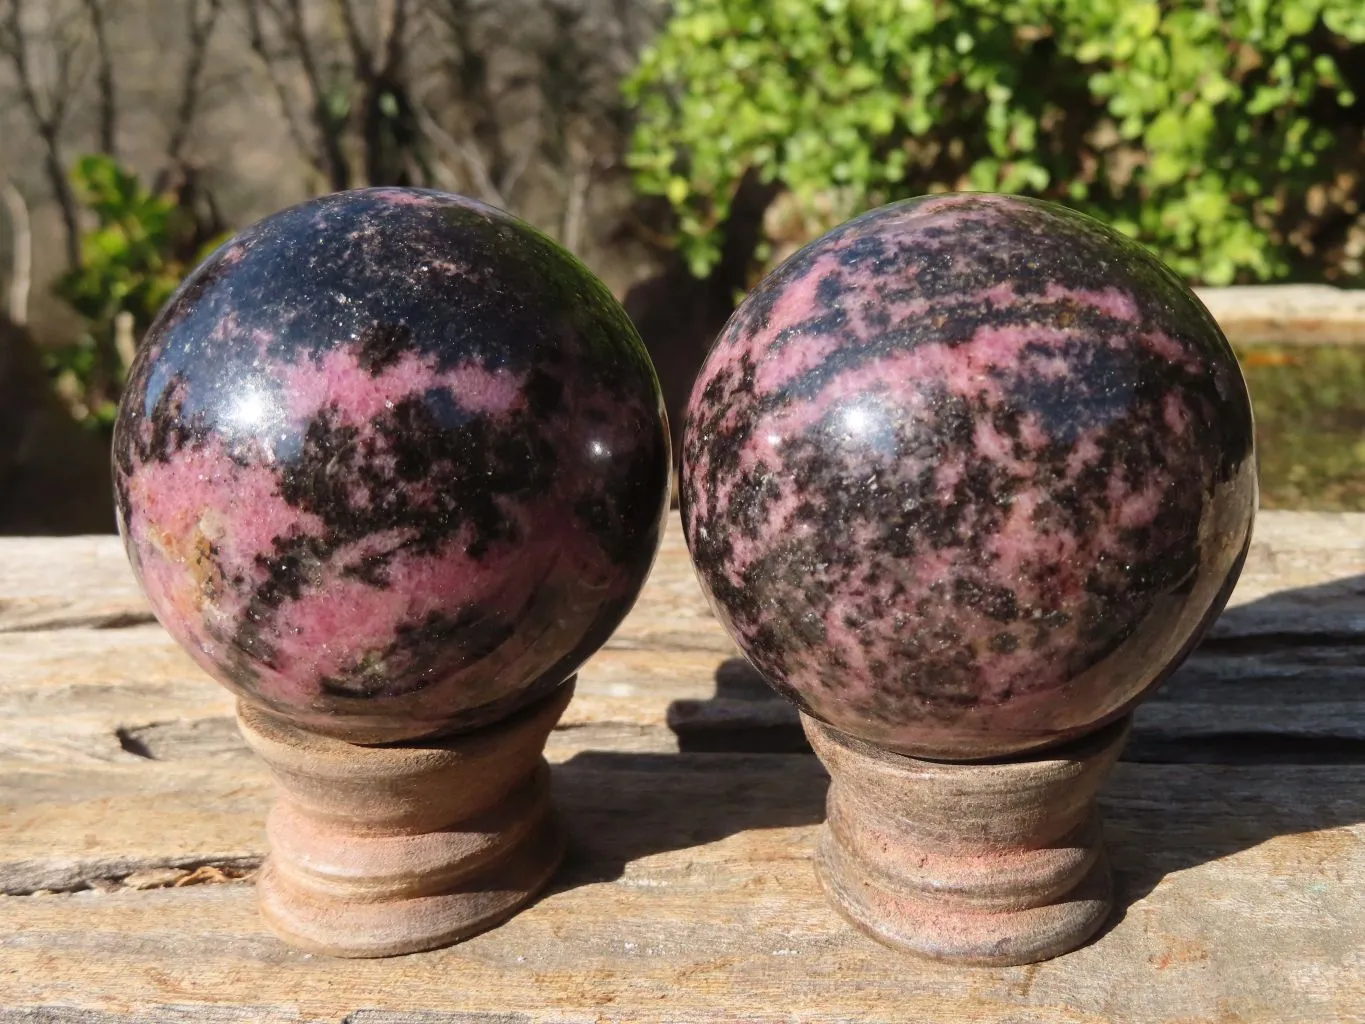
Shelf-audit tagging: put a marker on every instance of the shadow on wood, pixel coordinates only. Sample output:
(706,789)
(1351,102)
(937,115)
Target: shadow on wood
(1278,680)
(744,716)
(1229,809)
(1244,730)
(625,807)
(1276,685)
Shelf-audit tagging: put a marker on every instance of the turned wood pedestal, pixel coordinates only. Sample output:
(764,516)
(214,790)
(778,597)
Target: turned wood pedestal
(990,863)
(376,851)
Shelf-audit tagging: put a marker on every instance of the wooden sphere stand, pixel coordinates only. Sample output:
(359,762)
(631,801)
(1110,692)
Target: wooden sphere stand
(995,863)
(377,851)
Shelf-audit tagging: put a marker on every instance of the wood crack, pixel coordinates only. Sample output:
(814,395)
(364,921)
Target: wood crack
(1270,643)
(129,740)
(36,879)
(1245,748)
(115,620)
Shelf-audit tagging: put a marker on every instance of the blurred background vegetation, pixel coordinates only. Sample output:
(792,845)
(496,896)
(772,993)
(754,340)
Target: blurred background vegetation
(1224,135)
(681,149)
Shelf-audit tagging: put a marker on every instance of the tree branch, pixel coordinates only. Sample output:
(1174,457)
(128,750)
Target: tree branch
(571,232)
(47,120)
(355,39)
(393,36)
(470,74)
(22,280)
(511,177)
(104,76)
(337,166)
(468,155)
(202,21)
(256,40)
(67,42)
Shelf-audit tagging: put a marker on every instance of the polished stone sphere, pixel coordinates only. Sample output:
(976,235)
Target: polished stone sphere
(969,475)
(391,463)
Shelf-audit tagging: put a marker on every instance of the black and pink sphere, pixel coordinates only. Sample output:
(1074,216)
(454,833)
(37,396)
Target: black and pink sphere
(969,475)
(391,463)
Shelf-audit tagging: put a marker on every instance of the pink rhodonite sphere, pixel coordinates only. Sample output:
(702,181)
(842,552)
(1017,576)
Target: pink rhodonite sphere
(968,475)
(391,463)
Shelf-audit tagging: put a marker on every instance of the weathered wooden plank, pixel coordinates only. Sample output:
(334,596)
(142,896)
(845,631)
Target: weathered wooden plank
(64,827)
(203,1014)
(66,582)
(1296,705)
(1304,314)
(102,696)
(83,668)
(689,897)
(71,582)
(163,1014)
(68,824)
(105,695)
(49,583)
(1281,675)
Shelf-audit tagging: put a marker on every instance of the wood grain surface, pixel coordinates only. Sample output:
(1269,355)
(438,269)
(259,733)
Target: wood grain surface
(131,818)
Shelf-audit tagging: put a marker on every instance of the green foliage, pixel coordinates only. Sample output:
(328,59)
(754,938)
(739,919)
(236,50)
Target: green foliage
(140,248)
(1200,127)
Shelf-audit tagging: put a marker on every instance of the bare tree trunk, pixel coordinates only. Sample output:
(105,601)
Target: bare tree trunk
(47,117)
(22,279)
(575,204)
(202,19)
(467,155)
(104,76)
(388,130)
(329,127)
(256,39)
(125,340)
(470,74)
(326,152)
(55,167)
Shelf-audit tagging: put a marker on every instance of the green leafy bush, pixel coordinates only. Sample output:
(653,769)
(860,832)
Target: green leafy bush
(141,246)
(1224,134)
